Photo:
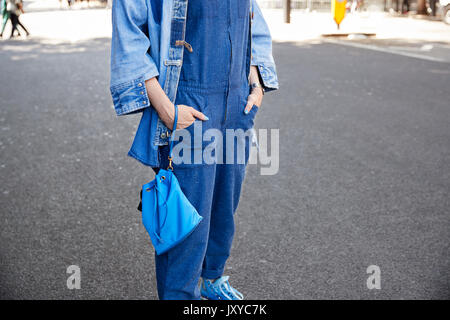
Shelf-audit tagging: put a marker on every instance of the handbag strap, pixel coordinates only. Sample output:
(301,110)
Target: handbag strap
(172,138)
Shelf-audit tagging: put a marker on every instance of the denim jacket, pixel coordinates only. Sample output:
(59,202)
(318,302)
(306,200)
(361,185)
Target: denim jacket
(148,40)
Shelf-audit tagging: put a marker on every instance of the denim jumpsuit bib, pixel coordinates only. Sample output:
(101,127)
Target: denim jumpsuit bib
(213,80)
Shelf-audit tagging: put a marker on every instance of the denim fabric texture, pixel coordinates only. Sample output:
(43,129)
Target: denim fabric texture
(215,84)
(147,41)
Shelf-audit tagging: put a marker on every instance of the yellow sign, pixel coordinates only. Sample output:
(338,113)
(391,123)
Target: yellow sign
(338,10)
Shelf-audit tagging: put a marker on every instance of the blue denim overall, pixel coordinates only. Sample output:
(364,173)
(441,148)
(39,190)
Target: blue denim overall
(214,80)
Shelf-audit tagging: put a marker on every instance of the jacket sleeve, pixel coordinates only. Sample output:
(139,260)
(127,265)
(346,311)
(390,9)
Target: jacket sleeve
(262,50)
(131,63)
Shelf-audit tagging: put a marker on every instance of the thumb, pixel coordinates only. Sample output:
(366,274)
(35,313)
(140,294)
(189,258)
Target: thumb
(199,115)
(249,105)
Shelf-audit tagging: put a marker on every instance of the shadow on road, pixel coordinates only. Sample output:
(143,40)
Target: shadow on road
(39,46)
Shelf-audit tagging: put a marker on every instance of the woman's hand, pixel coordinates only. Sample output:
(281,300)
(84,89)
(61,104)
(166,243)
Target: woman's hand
(186,116)
(256,96)
(166,110)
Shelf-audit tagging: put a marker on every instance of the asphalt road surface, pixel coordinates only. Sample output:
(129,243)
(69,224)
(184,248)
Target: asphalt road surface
(364,179)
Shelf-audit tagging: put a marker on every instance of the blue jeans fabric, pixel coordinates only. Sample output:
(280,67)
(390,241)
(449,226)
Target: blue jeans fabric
(214,81)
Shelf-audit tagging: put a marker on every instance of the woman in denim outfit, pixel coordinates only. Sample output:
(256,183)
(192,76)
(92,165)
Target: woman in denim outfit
(213,59)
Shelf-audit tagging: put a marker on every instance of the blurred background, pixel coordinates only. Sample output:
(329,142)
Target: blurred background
(364,117)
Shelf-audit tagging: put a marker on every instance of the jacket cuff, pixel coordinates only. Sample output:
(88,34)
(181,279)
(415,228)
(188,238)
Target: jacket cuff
(131,96)
(268,75)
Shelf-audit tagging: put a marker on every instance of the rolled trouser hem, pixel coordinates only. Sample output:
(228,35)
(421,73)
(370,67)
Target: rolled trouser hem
(212,274)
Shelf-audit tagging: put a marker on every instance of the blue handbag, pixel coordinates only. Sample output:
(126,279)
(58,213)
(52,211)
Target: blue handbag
(167,214)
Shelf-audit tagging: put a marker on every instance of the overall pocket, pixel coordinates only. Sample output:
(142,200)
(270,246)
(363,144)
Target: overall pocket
(248,120)
(189,143)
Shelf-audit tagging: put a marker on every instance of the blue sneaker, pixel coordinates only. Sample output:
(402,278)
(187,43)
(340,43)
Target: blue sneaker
(220,289)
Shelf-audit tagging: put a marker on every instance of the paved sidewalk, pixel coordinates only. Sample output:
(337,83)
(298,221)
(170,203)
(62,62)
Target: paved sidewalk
(46,21)
(310,26)
(53,25)
(49,5)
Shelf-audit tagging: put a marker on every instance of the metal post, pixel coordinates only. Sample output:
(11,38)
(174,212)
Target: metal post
(287,11)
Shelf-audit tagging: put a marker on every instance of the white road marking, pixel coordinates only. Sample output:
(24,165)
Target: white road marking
(386,50)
